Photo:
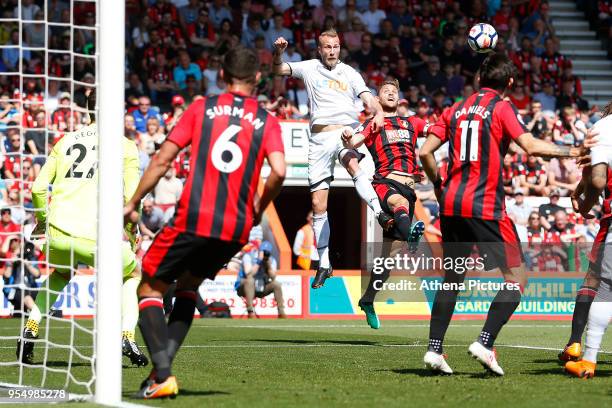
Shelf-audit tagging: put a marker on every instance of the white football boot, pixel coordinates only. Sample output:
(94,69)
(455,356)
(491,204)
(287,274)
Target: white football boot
(486,357)
(437,363)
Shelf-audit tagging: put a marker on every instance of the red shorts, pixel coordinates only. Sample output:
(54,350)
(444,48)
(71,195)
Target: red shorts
(173,252)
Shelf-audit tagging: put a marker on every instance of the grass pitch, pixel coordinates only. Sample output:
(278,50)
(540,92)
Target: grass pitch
(269,363)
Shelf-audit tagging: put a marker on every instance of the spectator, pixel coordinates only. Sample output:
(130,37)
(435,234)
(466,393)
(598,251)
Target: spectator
(304,246)
(28,10)
(547,97)
(400,17)
(189,12)
(549,261)
(519,210)
(134,86)
(59,118)
(536,123)
(7,229)
(569,130)
(19,276)
(37,141)
(352,38)
(348,16)
(431,79)
(532,177)
(372,17)
(12,160)
(202,32)
(569,97)
(153,137)
(564,229)
(276,31)
(167,193)
(185,68)
(547,211)
(143,113)
(366,56)
(520,98)
(219,12)
(151,220)
(252,31)
(564,175)
(18,214)
(325,9)
(257,278)
(10,56)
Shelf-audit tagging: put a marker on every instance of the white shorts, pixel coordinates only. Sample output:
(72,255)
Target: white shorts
(323,151)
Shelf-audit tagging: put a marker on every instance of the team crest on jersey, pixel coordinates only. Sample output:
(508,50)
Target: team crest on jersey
(404,123)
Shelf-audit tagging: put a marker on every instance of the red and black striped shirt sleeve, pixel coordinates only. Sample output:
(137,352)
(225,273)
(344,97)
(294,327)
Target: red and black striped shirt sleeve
(183,132)
(511,121)
(273,137)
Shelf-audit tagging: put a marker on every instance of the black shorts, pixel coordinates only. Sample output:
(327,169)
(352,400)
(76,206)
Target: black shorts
(174,252)
(385,188)
(497,240)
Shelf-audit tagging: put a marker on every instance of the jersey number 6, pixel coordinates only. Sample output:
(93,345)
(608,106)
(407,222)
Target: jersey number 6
(226,155)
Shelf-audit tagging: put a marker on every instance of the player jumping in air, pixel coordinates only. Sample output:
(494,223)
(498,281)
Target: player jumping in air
(472,202)
(230,136)
(332,88)
(393,150)
(71,170)
(595,297)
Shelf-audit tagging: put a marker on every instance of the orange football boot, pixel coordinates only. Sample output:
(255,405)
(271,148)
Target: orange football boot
(571,352)
(582,368)
(151,389)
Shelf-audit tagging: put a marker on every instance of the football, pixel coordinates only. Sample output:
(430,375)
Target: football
(482,38)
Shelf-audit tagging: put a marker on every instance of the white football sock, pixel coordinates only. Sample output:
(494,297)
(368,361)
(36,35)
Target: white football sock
(321,229)
(35,314)
(129,305)
(599,318)
(366,191)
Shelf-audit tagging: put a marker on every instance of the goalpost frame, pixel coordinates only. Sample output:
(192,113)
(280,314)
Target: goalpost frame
(110,99)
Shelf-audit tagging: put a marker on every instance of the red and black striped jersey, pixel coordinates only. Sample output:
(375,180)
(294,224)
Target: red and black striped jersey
(393,147)
(478,130)
(229,135)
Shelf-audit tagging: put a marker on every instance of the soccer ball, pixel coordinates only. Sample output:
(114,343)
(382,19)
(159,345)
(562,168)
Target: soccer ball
(482,38)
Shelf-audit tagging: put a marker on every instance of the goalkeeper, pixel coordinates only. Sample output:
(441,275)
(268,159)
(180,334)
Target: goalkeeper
(71,171)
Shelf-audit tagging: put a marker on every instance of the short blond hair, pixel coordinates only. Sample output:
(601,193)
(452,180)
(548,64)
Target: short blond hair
(328,33)
(393,82)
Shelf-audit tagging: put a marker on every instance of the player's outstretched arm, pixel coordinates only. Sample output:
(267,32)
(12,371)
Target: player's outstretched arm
(159,165)
(280,67)
(350,140)
(273,185)
(541,148)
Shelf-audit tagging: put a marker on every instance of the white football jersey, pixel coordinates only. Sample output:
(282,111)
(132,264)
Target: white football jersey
(331,93)
(602,152)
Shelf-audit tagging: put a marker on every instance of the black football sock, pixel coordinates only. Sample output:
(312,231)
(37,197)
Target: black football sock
(155,334)
(403,221)
(441,315)
(180,320)
(584,298)
(376,279)
(503,306)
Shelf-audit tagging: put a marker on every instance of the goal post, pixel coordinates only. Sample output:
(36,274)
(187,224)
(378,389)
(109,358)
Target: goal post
(110,68)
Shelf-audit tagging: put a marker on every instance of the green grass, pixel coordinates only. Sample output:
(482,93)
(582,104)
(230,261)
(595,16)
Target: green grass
(236,363)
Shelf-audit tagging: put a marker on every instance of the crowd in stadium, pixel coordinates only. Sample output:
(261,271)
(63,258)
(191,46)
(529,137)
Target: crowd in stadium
(174,49)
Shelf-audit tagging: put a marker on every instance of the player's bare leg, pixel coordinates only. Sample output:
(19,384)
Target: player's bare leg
(584,297)
(349,158)
(503,306)
(161,383)
(129,317)
(321,229)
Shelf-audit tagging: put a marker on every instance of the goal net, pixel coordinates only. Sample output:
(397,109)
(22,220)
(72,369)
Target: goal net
(51,52)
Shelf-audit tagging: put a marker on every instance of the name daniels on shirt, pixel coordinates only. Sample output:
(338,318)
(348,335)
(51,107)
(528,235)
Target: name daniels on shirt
(476,110)
(226,110)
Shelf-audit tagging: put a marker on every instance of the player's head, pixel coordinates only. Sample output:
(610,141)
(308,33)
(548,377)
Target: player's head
(497,72)
(329,48)
(388,95)
(241,67)
(606,110)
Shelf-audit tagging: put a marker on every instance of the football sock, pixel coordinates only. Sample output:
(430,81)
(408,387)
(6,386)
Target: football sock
(442,311)
(503,306)
(366,191)
(599,317)
(403,221)
(45,299)
(320,225)
(375,279)
(129,307)
(180,320)
(155,333)
(584,298)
